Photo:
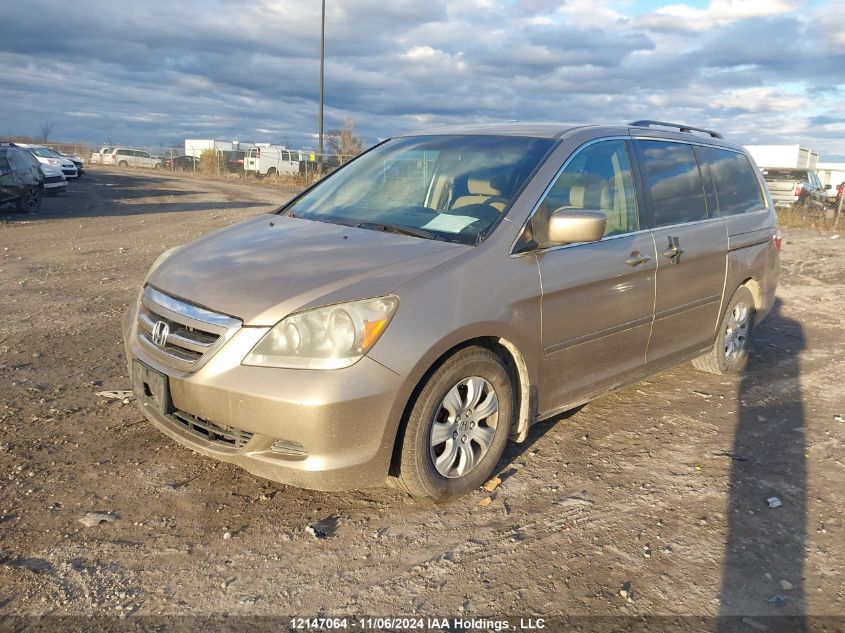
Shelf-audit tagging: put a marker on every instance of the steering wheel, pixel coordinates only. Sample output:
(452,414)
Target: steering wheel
(493,199)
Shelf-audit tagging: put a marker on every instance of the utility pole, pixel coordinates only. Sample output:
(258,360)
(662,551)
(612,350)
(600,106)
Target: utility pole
(322,63)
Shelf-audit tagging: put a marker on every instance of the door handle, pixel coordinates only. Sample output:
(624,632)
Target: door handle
(636,258)
(674,251)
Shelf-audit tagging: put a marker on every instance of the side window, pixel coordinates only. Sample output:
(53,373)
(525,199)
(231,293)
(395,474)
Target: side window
(597,178)
(737,188)
(143,154)
(672,182)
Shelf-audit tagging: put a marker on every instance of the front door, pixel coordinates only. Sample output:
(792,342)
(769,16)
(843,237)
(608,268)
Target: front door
(598,297)
(691,251)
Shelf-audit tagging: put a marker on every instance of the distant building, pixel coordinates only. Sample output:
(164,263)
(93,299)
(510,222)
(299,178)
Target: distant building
(196,146)
(784,156)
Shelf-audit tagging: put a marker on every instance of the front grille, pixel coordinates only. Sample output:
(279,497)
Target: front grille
(68,172)
(187,334)
(51,179)
(227,436)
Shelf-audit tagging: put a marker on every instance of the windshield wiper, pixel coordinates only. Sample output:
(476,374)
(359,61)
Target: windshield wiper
(401,230)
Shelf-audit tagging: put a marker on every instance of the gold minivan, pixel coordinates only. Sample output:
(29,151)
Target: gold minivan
(405,316)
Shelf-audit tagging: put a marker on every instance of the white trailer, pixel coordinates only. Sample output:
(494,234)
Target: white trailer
(784,156)
(832,174)
(271,160)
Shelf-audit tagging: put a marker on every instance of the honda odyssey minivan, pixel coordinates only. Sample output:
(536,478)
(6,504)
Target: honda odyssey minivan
(404,317)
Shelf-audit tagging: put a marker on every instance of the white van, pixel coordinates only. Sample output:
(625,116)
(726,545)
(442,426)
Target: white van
(270,161)
(125,157)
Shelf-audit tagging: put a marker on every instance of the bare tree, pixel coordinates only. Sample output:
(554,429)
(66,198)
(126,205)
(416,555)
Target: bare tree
(46,130)
(343,142)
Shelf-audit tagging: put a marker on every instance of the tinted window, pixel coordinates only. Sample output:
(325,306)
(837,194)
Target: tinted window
(598,178)
(142,154)
(672,182)
(123,152)
(737,188)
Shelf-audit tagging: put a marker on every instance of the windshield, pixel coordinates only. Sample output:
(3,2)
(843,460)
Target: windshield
(44,152)
(439,187)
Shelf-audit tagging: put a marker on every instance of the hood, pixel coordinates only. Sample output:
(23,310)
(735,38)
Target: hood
(263,269)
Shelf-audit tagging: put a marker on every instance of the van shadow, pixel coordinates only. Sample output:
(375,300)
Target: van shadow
(762,576)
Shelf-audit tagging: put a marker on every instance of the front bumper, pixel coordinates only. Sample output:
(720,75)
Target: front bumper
(55,185)
(324,430)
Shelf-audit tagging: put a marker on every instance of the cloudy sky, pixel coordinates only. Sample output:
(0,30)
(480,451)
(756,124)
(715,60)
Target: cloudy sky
(156,71)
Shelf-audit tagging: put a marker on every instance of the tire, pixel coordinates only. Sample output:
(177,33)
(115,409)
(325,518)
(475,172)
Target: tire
(30,201)
(729,354)
(271,173)
(433,471)
(123,163)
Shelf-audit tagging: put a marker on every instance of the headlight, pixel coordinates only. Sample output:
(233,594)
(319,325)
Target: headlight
(331,337)
(52,161)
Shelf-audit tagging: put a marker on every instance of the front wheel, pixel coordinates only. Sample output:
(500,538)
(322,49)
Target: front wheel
(458,427)
(729,353)
(30,201)
(123,163)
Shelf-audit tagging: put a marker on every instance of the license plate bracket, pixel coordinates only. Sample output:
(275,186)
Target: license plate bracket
(151,387)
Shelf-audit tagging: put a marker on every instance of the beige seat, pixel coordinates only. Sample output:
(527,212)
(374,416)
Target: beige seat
(480,191)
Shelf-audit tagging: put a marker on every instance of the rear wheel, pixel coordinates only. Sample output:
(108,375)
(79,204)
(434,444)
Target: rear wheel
(271,173)
(123,163)
(729,354)
(458,427)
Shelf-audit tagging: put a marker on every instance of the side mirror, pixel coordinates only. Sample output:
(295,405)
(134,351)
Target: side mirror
(567,225)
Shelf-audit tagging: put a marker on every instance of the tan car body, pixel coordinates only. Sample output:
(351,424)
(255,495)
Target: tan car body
(573,321)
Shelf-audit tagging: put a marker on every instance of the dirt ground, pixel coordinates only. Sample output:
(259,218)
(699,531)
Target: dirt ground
(651,501)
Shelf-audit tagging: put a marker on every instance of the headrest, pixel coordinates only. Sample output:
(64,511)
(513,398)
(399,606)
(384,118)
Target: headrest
(481,186)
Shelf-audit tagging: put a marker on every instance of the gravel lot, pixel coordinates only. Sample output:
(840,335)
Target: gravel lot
(651,501)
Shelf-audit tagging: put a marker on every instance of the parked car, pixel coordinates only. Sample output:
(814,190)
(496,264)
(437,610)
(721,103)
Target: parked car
(54,179)
(234,161)
(124,157)
(796,188)
(387,321)
(77,162)
(181,163)
(97,156)
(47,156)
(21,180)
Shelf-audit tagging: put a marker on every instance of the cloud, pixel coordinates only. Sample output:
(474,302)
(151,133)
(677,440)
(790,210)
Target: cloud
(153,72)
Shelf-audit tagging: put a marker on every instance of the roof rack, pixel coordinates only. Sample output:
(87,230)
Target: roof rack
(678,126)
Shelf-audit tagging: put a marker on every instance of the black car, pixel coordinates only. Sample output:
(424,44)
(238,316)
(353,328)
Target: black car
(21,179)
(181,163)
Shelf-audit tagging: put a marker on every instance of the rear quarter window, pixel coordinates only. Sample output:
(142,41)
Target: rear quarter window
(737,188)
(672,181)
